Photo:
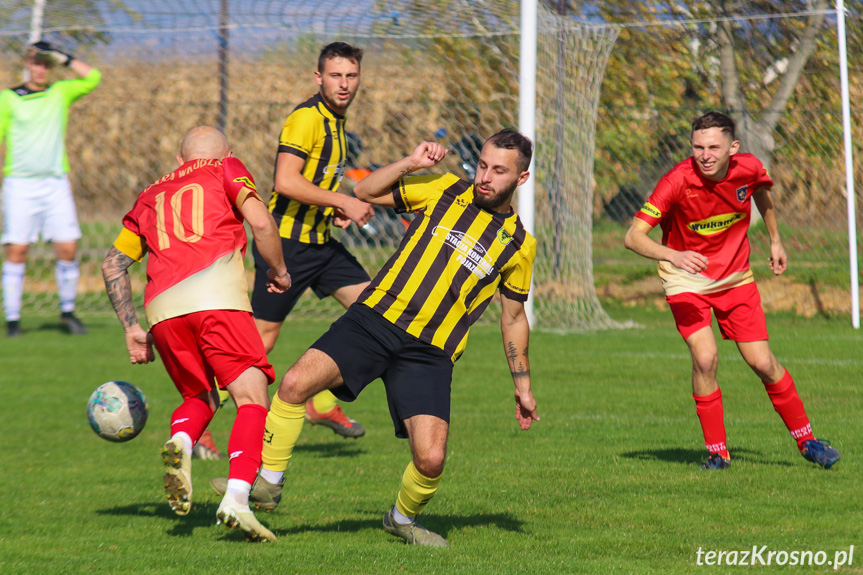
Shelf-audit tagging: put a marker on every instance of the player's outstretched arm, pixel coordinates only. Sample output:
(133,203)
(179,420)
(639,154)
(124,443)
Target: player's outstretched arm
(764,202)
(267,240)
(637,240)
(115,272)
(515,330)
(375,188)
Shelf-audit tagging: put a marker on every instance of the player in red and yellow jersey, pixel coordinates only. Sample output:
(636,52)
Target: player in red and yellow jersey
(703,206)
(190,222)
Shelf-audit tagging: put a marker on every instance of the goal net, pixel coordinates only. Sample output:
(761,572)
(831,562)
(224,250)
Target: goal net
(443,70)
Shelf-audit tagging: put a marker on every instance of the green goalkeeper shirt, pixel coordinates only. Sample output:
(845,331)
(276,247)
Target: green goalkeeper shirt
(33,126)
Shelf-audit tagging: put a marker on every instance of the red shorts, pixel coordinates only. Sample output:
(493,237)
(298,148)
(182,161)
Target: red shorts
(738,312)
(201,348)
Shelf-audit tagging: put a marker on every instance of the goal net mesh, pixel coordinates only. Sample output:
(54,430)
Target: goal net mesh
(445,71)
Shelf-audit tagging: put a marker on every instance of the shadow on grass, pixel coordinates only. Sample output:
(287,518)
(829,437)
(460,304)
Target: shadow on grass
(331,448)
(204,516)
(699,456)
(201,516)
(440,524)
(51,326)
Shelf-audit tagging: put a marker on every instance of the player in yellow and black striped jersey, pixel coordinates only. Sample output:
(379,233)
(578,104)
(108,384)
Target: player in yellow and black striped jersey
(412,322)
(469,253)
(315,134)
(305,203)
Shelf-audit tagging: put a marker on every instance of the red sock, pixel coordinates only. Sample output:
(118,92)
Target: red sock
(246,442)
(709,410)
(193,416)
(789,406)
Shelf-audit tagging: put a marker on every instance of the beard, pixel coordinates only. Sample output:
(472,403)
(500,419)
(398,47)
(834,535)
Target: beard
(339,106)
(495,201)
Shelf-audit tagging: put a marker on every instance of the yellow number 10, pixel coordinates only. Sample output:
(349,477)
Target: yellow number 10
(176,203)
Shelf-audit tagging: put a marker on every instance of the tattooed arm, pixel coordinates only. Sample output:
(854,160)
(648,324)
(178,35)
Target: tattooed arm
(516,332)
(119,288)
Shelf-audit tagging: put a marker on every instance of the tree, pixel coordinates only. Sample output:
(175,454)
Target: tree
(757,133)
(76,22)
(759,55)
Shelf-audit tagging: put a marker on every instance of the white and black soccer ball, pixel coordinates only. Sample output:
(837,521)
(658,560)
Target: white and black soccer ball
(117,411)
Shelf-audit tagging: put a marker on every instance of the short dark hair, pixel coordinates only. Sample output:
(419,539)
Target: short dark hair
(509,139)
(33,54)
(714,120)
(339,50)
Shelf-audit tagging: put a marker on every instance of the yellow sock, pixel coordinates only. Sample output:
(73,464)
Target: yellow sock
(284,424)
(224,396)
(416,491)
(324,402)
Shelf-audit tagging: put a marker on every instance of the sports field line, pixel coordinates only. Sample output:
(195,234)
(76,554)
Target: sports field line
(837,362)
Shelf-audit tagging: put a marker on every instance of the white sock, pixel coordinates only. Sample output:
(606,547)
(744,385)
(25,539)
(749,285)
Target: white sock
(67,274)
(401,519)
(13,288)
(239,491)
(186,440)
(274,477)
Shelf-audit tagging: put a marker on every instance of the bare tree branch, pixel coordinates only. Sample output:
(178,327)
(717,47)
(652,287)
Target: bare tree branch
(774,111)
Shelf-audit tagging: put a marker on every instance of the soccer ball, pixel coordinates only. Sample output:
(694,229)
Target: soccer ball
(117,411)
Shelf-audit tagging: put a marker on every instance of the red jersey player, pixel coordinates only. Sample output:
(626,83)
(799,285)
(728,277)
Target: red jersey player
(703,206)
(190,222)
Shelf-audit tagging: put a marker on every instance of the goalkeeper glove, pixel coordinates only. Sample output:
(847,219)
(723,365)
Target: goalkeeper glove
(49,50)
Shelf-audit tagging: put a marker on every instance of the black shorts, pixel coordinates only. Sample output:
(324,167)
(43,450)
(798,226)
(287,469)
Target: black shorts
(322,267)
(417,376)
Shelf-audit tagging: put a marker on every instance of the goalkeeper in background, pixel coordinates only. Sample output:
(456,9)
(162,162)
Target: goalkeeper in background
(703,206)
(37,197)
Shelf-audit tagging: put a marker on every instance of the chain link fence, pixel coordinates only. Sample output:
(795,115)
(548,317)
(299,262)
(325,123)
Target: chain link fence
(446,71)
(453,76)
(639,142)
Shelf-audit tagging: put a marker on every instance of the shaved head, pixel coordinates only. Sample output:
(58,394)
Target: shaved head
(204,143)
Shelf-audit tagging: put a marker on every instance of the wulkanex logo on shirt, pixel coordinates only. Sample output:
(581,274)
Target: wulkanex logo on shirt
(651,210)
(715,224)
(471,254)
(741,194)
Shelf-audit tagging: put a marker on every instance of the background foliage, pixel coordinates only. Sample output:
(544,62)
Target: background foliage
(666,66)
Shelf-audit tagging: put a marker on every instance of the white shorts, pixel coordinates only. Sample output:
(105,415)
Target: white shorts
(38,206)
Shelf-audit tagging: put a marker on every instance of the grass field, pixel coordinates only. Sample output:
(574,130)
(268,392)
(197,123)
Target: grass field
(608,482)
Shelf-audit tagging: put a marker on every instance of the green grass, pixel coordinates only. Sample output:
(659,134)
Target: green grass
(607,482)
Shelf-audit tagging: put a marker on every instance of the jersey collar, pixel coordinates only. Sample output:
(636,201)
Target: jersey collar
(23,90)
(323,103)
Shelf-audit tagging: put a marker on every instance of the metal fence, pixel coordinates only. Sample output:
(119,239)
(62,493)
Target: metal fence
(158,80)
